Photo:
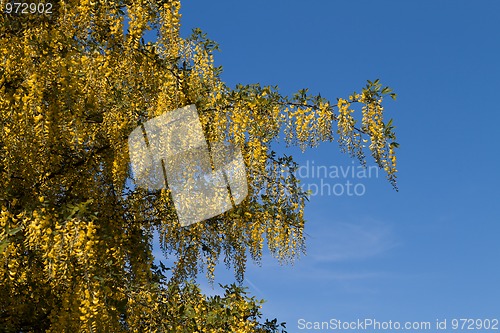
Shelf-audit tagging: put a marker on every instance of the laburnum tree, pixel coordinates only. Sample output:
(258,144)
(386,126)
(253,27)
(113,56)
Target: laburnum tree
(76,235)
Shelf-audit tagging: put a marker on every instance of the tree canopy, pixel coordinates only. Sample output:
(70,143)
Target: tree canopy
(76,236)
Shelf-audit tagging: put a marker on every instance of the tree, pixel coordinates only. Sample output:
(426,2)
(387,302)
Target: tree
(76,235)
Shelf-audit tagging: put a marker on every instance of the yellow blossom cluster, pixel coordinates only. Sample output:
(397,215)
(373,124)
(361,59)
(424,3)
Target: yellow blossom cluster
(76,234)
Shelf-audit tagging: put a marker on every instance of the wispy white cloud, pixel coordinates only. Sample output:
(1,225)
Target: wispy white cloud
(255,288)
(339,254)
(348,241)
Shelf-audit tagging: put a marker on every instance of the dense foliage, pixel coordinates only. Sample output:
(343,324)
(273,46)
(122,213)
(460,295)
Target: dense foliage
(76,236)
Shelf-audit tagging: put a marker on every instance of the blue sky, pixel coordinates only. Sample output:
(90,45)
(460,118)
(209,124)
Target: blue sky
(431,250)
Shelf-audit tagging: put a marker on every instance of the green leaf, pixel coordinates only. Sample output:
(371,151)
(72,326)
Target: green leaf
(386,90)
(13,231)
(3,244)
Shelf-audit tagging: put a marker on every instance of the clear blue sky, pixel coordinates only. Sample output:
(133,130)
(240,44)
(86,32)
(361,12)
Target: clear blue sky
(430,250)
